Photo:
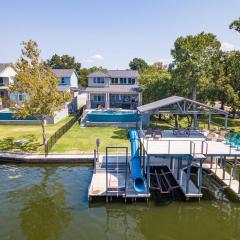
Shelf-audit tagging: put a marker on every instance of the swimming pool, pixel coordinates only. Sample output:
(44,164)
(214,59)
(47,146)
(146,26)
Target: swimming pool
(112,116)
(7,115)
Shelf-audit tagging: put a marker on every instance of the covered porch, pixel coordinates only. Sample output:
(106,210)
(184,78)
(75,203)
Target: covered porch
(113,100)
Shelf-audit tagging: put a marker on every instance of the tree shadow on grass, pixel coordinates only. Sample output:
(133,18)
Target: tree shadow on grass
(29,144)
(120,134)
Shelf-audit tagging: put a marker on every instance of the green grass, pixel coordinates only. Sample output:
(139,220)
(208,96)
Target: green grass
(233,124)
(83,139)
(31,133)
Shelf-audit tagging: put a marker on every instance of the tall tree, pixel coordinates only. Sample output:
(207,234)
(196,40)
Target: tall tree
(225,79)
(235,25)
(192,63)
(156,84)
(36,80)
(138,64)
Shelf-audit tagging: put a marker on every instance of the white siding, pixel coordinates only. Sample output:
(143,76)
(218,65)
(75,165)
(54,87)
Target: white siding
(8,72)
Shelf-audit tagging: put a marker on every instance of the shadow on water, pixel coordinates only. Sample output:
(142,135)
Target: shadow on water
(44,215)
(10,143)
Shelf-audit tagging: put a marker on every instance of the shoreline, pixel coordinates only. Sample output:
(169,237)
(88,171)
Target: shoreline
(37,158)
(53,158)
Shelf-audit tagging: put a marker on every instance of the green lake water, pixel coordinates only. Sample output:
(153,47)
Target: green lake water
(51,202)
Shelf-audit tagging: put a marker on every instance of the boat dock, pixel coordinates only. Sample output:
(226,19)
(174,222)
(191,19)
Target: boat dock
(113,179)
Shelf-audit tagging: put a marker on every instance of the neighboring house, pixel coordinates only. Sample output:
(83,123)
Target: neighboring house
(114,89)
(68,80)
(7,75)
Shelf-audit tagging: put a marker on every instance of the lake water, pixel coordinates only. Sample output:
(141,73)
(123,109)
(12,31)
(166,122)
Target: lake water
(51,202)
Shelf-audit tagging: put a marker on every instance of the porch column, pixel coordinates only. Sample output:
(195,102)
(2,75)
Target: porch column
(107,101)
(226,121)
(209,120)
(88,100)
(139,99)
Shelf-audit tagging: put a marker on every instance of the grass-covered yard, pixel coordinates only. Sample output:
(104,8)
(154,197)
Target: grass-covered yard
(83,139)
(233,124)
(33,134)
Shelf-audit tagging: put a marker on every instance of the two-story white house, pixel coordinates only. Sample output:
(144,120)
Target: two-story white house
(7,75)
(114,89)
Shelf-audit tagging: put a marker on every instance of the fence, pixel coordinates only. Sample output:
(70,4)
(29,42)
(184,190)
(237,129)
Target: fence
(62,130)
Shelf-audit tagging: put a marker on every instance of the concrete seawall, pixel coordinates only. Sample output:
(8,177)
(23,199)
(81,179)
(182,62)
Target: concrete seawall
(18,158)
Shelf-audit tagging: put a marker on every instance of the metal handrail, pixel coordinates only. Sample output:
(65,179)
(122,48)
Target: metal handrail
(205,142)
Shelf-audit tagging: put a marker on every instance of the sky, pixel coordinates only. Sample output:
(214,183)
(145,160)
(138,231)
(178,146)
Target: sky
(111,33)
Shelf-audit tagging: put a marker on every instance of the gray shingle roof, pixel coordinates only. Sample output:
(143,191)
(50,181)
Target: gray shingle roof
(3,66)
(123,73)
(63,72)
(98,74)
(116,74)
(115,89)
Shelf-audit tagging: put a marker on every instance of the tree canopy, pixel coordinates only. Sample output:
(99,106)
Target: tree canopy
(36,80)
(138,64)
(192,63)
(156,84)
(63,62)
(235,25)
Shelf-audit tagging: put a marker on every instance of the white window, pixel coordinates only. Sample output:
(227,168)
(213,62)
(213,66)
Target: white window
(1,81)
(62,80)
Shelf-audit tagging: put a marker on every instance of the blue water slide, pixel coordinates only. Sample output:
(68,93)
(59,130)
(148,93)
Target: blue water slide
(138,179)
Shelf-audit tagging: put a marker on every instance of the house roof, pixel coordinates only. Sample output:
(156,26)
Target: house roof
(123,73)
(116,74)
(3,66)
(172,100)
(98,74)
(115,89)
(63,72)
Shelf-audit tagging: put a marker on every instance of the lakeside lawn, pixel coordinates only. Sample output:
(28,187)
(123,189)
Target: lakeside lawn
(83,139)
(31,133)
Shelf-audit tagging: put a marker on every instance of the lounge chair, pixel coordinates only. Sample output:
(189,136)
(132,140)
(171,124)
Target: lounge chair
(231,139)
(236,143)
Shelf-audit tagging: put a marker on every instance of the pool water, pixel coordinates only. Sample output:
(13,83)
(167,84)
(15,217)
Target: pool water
(51,202)
(8,115)
(112,116)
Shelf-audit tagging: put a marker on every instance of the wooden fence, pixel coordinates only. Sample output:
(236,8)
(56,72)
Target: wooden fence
(61,131)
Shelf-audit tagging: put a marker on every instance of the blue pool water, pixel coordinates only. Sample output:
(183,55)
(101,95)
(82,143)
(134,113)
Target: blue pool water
(112,116)
(8,115)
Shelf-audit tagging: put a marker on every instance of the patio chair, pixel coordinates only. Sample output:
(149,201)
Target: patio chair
(221,136)
(148,133)
(211,136)
(158,133)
